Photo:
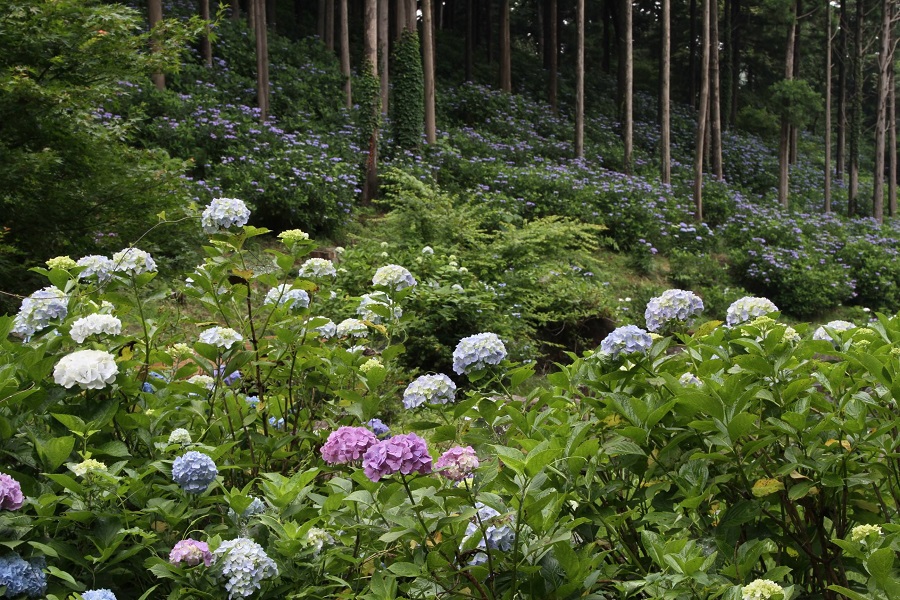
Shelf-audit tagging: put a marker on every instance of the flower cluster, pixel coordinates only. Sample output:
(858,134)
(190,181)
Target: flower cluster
(476,352)
(102,594)
(88,467)
(673,306)
(203,380)
(403,453)
(316,539)
(370,365)
(434,389)
(89,369)
(861,532)
(223,213)
(378,427)
(284,294)
(61,262)
(629,339)
(352,327)
(22,577)
(347,444)
(317,268)
(822,334)
(245,564)
(132,261)
(293,235)
(497,535)
(394,277)
(37,310)
(95,324)
(748,307)
(11,497)
(180,436)
(194,471)
(364,310)
(327,329)
(222,337)
(457,463)
(95,264)
(690,380)
(761,589)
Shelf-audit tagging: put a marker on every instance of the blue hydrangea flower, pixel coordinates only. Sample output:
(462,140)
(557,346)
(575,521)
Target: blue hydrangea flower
(378,427)
(245,564)
(37,310)
(498,535)
(434,389)
(98,595)
(146,387)
(327,329)
(673,306)
(223,213)
(477,351)
(256,507)
(194,471)
(23,577)
(133,261)
(95,264)
(252,401)
(747,308)
(284,294)
(277,424)
(394,277)
(629,339)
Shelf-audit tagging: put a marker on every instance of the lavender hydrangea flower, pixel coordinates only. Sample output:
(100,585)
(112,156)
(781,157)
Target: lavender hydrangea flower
(95,324)
(194,471)
(347,444)
(283,294)
(317,268)
(11,497)
(629,339)
(434,389)
(403,453)
(748,307)
(352,327)
(838,326)
(497,534)
(96,265)
(457,463)
(394,277)
(223,213)
(133,261)
(367,301)
(476,352)
(378,427)
(89,369)
(38,309)
(23,577)
(101,594)
(672,306)
(245,564)
(191,552)
(223,337)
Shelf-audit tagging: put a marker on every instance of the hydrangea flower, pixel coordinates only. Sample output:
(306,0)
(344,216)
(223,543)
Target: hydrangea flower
(37,310)
(88,467)
(352,327)
(180,436)
(403,453)
(372,363)
(394,277)
(277,423)
(364,310)
(477,351)
(61,262)
(194,471)
(102,594)
(245,564)
(317,538)
(23,577)
(203,380)
(222,337)
(497,535)
(672,306)
(378,427)
(861,532)
(293,235)
(190,552)
(821,334)
(315,268)
(283,294)
(96,265)
(327,329)
(457,463)
(626,340)
(690,380)
(89,369)
(748,307)
(252,401)
(427,250)
(347,444)
(95,324)
(11,497)
(223,213)
(132,261)
(255,507)
(434,389)
(761,589)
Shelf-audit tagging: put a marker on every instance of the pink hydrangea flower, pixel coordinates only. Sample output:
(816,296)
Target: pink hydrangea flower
(347,444)
(191,552)
(11,497)
(401,453)
(457,463)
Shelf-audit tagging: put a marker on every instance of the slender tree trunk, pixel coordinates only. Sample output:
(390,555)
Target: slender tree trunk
(579,80)
(470,39)
(428,72)
(702,112)
(842,94)
(411,16)
(784,147)
(400,17)
(826,11)
(795,131)
(370,62)
(505,49)
(715,107)
(892,146)
(692,55)
(856,109)
(384,13)
(553,47)
(541,30)
(736,30)
(235,9)
(329,24)
(205,43)
(885,65)
(320,25)
(628,122)
(154,8)
(262,57)
(345,53)
(664,99)
(725,72)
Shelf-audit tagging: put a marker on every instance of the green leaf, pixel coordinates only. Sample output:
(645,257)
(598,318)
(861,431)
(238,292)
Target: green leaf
(56,451)
(880,564)
(405,569)
(72,423)
(848,593)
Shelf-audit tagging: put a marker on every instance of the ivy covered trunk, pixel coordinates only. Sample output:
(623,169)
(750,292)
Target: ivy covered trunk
(408,107)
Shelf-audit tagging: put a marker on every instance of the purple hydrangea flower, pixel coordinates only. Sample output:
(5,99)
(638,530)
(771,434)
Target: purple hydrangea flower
(194,471)
(457,463)
(347,444)
(11,497)
(378,427)
(190,552)
(403,453)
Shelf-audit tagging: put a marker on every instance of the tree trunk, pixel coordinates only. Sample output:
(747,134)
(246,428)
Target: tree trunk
(692,55)
(428,72)
(736,29)
(628,121)
(856,109)
(784,146)
(154,8)
(725,72)
(827,28)
(664,99)
(411,17)
(384,18)
(400,17)
(320,25)
(607,36)
(702,113)
(370,62)
(715,107)
(262,58)
(553,54)
(579,80)
(329,24)
(271,12)
(205,43)
(505,49)
(892,146)
(795,131)
(489,30)
(842,94)
(235,9)
(885,65)
(345,53)
(470,41)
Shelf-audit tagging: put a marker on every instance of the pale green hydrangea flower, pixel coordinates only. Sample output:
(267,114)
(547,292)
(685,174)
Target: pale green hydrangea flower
(861,532)
(761,589)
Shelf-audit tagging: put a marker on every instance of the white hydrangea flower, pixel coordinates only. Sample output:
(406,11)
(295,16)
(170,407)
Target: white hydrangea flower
(284,294)
(223,213)
(133,261)
(87,467)
(317,268)
(790,335)
(761,589)
(689,379)
(317,538)
(434,389)
(428,250)
(477,351)
(326,330)
(861,532)
(394,277)
(222,337)
(203,380)
(89,369)
(748,307)
(94,264)
(180,436)
(37,310)
(821,334)
(366,313)
(353,327)
(673,306)
(95,324)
